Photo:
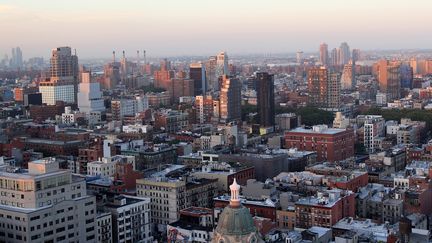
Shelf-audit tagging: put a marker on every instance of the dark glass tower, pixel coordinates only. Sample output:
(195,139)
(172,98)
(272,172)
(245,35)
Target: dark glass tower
(265,99)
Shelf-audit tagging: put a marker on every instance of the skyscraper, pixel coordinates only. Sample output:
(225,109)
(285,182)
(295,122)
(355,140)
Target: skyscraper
(324,88)
(17,59)
(265,99)
(216,67)
(62,85)
(212,79)
(324,56)
(197,73)
(334,57)
(63,63)
(344,54)
(230,99)
(348,77)
(389,78)
(406,76)
(222,64)
(333,90)
(356,55)
(64,66)
(299,57)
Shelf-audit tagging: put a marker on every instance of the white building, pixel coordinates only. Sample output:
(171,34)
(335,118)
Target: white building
(340,121)
(104,227)
(89,95)
(104,168)
(71,117)
(137,128)
(130,219)
(45,203)
(128,107)
(373,128)
(57,89)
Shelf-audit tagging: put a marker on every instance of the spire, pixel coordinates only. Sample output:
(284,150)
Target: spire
(235,191)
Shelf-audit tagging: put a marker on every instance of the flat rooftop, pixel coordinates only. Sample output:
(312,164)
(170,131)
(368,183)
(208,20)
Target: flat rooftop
(330,131)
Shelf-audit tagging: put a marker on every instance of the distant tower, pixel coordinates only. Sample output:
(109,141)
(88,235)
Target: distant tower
(324,88)
(299,57)
(324,56)
(345,54)
(197,73)
(230,99)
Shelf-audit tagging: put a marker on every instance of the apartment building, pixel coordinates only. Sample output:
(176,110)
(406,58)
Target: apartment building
(45,204)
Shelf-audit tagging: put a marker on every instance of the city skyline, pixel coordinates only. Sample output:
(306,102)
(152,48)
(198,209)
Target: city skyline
(173,28)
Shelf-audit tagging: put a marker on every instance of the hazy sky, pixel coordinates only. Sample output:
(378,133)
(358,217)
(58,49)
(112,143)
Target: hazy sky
(181,27)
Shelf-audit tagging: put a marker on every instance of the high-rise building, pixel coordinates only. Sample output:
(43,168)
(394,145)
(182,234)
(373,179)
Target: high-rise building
(389,78)
(215,67)
(334,57)
(347,79)
(324,88)
(212,79)
(64,66)
(204,107)
(17,59)
(317,86)
(333,90)
(356,55)
(299,57)
(111,75)
(181,87)
(222,64)
(162,77)
(407,76)
(45,203)
(230,99)
(344,54)
(89,96)
(197,73)
(324,55)
(265,99)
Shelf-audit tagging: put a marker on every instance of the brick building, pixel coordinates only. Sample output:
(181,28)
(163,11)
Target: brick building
(324,210)
(331,144)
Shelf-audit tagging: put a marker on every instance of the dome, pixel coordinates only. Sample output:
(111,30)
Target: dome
(235,221)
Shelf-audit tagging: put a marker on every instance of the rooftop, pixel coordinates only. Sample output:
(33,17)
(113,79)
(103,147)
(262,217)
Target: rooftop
(320,129)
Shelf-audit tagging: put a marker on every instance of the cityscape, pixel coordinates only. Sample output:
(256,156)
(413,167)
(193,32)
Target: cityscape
(219,122)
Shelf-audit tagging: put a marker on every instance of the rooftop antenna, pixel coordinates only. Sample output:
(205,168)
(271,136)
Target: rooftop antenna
(113,56)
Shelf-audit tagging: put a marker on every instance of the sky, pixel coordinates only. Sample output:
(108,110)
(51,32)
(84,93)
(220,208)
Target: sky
(202,27)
